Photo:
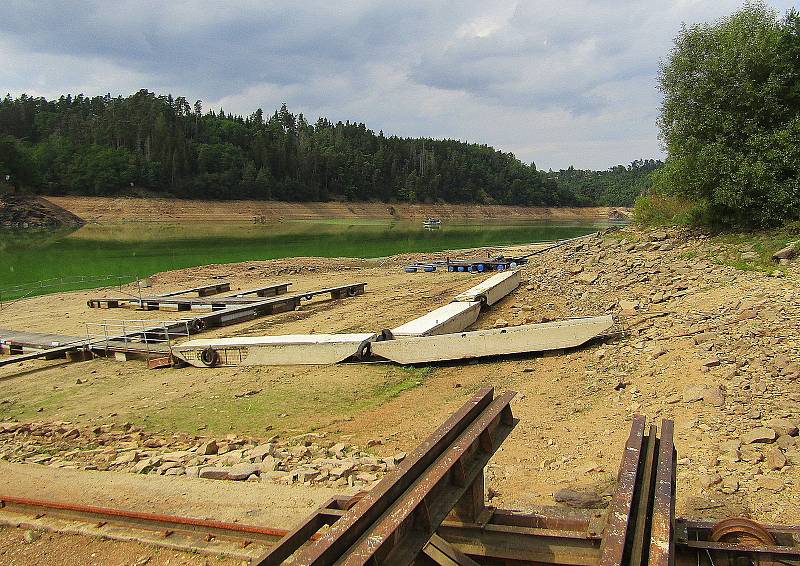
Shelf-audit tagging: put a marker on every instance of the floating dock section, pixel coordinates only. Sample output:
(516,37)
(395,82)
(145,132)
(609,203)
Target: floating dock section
(492,290)
(453,317)
(463,311)
(289,349)
(496,342)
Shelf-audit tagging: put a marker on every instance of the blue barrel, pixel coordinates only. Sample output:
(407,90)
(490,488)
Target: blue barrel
(500,267)
(461,268)
(411,269)
(429,268)
(481,267)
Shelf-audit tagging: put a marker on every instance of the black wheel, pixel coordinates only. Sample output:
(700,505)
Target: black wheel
(197,325)
(209,357)
(352,291)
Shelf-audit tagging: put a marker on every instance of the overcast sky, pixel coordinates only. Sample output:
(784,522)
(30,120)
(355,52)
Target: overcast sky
(561,83)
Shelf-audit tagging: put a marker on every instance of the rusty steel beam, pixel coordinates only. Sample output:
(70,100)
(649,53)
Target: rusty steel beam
(404,529)
(350,527)
(499,543)
(622,505)
(662,530)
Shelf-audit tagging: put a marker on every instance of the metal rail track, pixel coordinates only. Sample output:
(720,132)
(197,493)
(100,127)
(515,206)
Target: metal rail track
(180,533)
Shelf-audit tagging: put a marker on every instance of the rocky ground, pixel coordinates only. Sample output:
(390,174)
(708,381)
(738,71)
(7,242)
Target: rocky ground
(734,334)
(308,459)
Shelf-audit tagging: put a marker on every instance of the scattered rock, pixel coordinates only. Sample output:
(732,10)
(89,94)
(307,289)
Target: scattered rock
(774,458)
(789,252)
(710,480)
(214,473)
(582,499)
(240,472)
(588,277)
(759,434)
(772,484)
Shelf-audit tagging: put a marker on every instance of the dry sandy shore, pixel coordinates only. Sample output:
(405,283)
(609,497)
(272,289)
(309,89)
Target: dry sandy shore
(102,209)
(707,345)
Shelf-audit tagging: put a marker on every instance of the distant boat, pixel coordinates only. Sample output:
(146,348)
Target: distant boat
(431,222)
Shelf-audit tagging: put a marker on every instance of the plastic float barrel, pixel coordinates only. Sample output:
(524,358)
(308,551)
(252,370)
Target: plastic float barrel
(513,264)
(429,268)
(411,269)
(481,267)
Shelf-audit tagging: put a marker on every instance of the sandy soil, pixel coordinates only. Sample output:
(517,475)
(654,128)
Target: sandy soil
(574,415)
(100,209)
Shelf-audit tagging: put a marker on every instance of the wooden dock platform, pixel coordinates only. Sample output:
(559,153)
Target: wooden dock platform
(21,342)
(202,290)
(266,291)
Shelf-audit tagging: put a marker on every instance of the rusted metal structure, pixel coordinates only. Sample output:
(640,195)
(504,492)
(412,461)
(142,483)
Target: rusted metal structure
(431,510)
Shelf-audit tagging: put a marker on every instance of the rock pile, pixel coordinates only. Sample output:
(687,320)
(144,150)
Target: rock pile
(305,459)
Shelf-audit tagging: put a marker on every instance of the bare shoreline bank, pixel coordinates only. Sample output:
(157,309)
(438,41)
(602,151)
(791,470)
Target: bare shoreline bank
(105,209)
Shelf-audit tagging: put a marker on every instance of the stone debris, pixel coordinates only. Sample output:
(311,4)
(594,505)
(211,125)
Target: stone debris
(712,346)
(309,459)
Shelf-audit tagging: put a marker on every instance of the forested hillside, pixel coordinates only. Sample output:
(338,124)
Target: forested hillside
(619,185)
(165,145)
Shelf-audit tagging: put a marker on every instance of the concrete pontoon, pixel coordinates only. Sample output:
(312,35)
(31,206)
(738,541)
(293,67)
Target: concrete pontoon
(500,341)
(290,349)
(453,317)
(492,290)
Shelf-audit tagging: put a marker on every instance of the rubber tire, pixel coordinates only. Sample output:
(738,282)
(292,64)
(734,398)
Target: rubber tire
(209,357)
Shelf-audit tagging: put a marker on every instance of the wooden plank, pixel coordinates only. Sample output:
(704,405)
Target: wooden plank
(495,342)
(265,291)
(202,290)
(36,340)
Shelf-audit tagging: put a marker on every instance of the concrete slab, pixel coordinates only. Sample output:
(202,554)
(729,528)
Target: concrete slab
(492,289)
(290,349)
(512,340)
(453,317)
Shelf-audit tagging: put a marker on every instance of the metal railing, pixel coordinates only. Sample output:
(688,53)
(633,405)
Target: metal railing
(147,337)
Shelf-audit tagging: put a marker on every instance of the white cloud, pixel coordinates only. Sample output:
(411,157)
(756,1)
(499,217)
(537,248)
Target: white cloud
(561,83)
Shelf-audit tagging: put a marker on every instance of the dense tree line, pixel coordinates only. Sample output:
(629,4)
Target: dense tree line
(617,186)
(165,145)
(731,118)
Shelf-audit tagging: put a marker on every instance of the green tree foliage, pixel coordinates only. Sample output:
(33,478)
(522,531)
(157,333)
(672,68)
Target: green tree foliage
(730,119)
(105,146)
(617,186)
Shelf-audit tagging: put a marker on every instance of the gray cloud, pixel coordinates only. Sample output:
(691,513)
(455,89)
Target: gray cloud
(561,83)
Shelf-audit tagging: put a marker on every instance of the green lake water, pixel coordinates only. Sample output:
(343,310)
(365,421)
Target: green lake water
(76,259)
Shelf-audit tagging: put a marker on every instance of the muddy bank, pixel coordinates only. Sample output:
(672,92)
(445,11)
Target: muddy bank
(99,209)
